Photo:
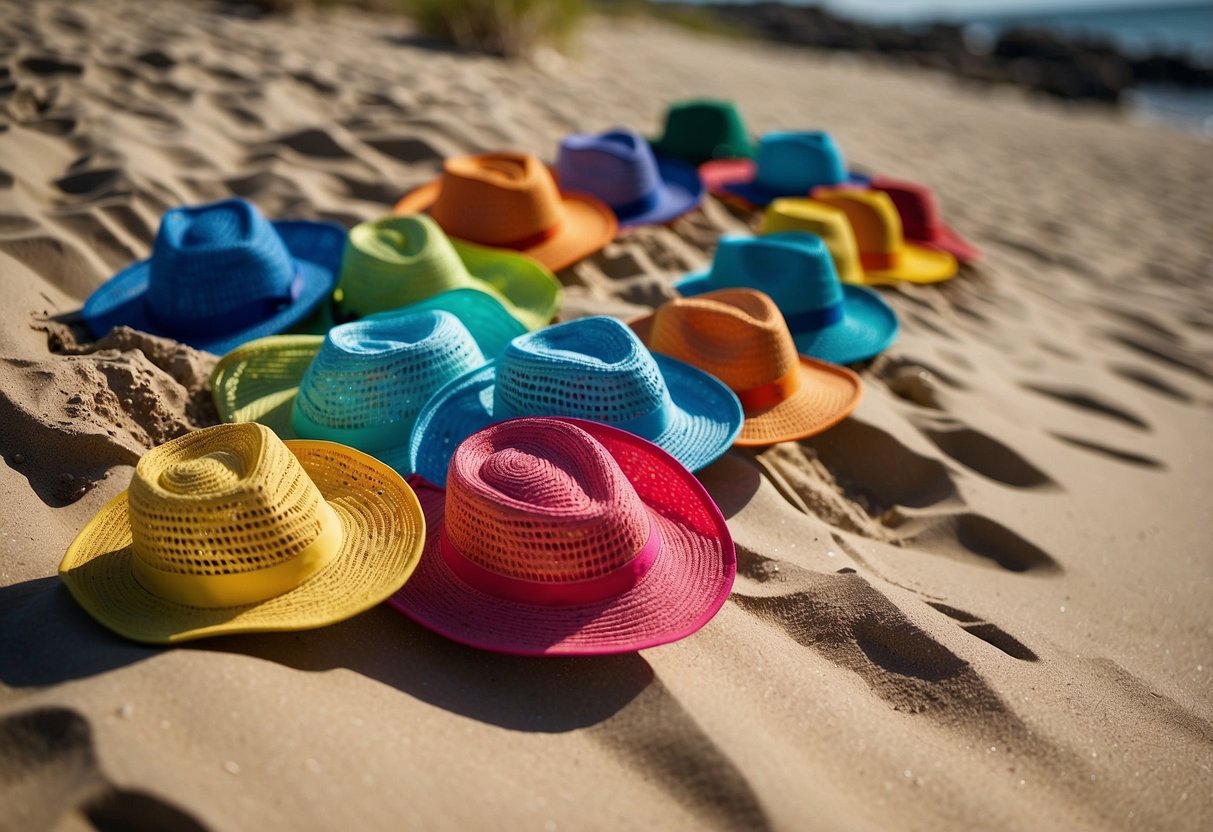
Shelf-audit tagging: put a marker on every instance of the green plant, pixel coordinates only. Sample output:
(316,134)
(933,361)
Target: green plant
(509,28)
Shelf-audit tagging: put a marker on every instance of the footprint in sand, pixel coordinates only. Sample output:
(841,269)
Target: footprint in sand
(1150,380)
(1117,454)
(47,65)
(973,538)
(1089,402)
(992,634)
(986,456)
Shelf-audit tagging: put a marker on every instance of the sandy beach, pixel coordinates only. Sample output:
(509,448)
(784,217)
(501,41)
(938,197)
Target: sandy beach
(981,602)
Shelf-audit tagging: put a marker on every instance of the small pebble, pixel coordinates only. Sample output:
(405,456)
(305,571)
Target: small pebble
(231,767)
(126,711)
(18,459)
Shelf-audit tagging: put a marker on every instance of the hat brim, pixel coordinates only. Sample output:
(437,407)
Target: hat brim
(735,180)
(689,581)
(868,326)
(587,226)
(947,239)
(826,395)
(916,264)
(530,291)
(681,190)
(315,246)
(384,534)
(704,420)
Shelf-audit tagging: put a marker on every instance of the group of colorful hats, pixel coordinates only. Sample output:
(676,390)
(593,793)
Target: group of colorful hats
(554,508)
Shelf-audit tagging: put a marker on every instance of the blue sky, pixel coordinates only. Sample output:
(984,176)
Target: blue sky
(962,9)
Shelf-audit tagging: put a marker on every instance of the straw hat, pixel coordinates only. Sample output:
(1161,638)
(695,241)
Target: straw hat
(397,261)
(362,384)
(827,222)
(510,200)
(219,275)
(828,320)
(702,129)
(619,168)
(739,336)
(566,537)
(591,368)
(921,219)
(883,251)
(228,529)
(786,164)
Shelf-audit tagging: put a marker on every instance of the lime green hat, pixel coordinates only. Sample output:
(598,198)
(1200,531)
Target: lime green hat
(396,261)
(362,384)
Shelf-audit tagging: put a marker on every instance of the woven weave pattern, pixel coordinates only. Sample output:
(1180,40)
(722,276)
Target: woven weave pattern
(221,503)
(737,336)
(196,246)
(379,372)
(591,368)
(542,506)
(497,198)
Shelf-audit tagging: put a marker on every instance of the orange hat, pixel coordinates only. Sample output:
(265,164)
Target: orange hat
(739,336)
(883,250)
(510,200)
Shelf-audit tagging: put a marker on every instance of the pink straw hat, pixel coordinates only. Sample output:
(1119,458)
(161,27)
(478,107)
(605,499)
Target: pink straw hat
(567,537)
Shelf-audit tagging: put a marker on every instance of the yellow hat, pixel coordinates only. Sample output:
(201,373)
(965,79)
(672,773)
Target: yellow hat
(883,250)
(229,529)
(827,222)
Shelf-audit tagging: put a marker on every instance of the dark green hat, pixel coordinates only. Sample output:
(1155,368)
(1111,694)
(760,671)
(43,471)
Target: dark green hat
(703,129)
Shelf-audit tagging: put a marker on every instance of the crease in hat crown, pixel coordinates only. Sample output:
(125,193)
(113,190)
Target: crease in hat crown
(591,368)
(219,266)
(828,222)
(737,335)
(226,517)
(617,166)
(371,378)
(545,508)
(498,199)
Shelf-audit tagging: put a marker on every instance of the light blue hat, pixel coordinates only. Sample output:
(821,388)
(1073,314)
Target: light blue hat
(591,368)
(788,163)
(828,319)
(361,385)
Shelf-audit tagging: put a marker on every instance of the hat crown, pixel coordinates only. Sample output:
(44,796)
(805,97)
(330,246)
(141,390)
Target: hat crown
(222,501)
(497,199)
(873,218)
(396,261)
(591,368)
(797,162)
(618,167)
(793,268)
(370,379)
(705,129)
(542,501)
(217,264)
(825,221)
(737,335)
(916,204)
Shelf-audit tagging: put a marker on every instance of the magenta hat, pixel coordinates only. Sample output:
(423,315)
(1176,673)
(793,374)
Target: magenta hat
(567,537)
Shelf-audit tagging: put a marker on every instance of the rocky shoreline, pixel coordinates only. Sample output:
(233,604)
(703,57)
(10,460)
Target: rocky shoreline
(1068,68)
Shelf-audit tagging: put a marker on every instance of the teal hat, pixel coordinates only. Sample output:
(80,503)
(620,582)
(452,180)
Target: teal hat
(828,319)
(702,129)
(591,368)
(363,384)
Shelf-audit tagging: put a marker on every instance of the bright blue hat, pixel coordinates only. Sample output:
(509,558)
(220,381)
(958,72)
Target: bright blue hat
(619,168)
(221,274)
(591,368)
(829,320)
(361,385)
(791,164)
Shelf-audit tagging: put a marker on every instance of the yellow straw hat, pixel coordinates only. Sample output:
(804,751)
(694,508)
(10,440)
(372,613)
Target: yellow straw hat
(229,529)
(827,222)
(739,336)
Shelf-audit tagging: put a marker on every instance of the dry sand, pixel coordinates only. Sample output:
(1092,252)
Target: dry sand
(982,602)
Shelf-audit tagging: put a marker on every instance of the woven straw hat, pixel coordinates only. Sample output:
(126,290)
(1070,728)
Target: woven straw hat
(702,129)
(591,368)
(228,529)
(567,537)
(739,336)
(921,220)
(219,275)
(398,261)
(361,385)
(828,320)
(827,222)
(787,163)
(883,251)
(620,168)
(510,200)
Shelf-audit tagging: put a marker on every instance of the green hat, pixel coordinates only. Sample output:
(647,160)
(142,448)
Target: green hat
(396,261)
(703,129)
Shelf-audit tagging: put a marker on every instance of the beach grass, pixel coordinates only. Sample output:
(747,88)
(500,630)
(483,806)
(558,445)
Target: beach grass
(509,28)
